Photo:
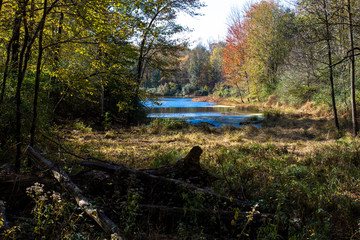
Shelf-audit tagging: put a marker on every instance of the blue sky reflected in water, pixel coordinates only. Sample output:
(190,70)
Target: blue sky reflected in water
(199,112)
(178,103)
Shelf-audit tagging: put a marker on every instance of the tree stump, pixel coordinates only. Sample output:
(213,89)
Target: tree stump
(187,169)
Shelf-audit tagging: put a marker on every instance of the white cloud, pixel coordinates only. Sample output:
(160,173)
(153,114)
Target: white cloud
(212,25)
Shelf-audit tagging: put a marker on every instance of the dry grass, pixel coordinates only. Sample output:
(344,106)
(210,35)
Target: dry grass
(138,146)
(295,161)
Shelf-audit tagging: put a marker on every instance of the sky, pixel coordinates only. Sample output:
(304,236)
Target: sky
(212,26)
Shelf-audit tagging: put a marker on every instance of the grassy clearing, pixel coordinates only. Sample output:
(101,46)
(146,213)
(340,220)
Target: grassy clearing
(293,166)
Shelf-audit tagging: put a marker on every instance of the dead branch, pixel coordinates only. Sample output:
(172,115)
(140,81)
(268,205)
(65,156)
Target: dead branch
(100,218)
(122,169)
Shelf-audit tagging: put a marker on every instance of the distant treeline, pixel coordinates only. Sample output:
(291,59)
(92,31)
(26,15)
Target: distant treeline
(306,53)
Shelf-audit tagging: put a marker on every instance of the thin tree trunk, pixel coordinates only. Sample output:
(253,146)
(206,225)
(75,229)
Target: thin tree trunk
(13,51)
(18,90)
(8,53)
(248,85)
(240,93)
(16,41)
(331,70)
(24,58)
(102,99)
(333,100)
(56,51)
(352,72)
(37,77)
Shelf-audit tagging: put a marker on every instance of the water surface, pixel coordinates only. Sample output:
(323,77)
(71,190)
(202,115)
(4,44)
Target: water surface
(200,112)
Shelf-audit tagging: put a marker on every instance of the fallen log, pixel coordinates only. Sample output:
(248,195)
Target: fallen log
(188,162)
(98,215)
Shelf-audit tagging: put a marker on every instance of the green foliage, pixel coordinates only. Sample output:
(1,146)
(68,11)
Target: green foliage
(272,114)
(307,197)
(198,70)
(191,228)
(130,207)
(107,121)
(129,213)
(164,124)
(164,158)
(223,90)
(52,218)
(82,127)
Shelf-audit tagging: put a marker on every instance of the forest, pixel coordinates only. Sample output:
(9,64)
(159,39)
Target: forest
(80,159)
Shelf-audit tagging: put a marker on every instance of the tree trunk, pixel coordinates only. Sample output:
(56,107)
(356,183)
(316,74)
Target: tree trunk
(54,95)
(13,51)
(352,72)
(248,85)
(20,78)
(8,53)
(16,40)
(331,70)
(24,58)
(37,77)
(241,97)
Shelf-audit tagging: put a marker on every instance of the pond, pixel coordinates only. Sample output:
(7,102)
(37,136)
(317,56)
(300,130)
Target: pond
(201,112)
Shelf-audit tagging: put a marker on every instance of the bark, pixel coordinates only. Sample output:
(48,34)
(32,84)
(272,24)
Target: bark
(352,72)
(146,175)
(13,51)
(330,65)
(15,45)
(20,78)
(97,215)
(8,53)
(239,90)
(56,52)
(37,76)
(141,66)
(24,58)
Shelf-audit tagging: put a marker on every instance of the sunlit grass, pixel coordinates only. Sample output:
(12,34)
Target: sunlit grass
(294,167)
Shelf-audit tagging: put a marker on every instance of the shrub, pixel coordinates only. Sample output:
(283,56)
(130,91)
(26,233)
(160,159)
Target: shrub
(160,124)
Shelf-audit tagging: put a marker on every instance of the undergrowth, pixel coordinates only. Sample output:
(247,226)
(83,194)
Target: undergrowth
(314,197)
(309,186)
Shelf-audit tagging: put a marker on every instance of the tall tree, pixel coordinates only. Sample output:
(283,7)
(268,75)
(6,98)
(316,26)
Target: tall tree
(38,72)
(258,43)
(157,34)
(319,16)
(352,69)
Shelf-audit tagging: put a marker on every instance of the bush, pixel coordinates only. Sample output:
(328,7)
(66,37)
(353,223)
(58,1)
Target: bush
(164,158)
(272,114)
(160,124)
